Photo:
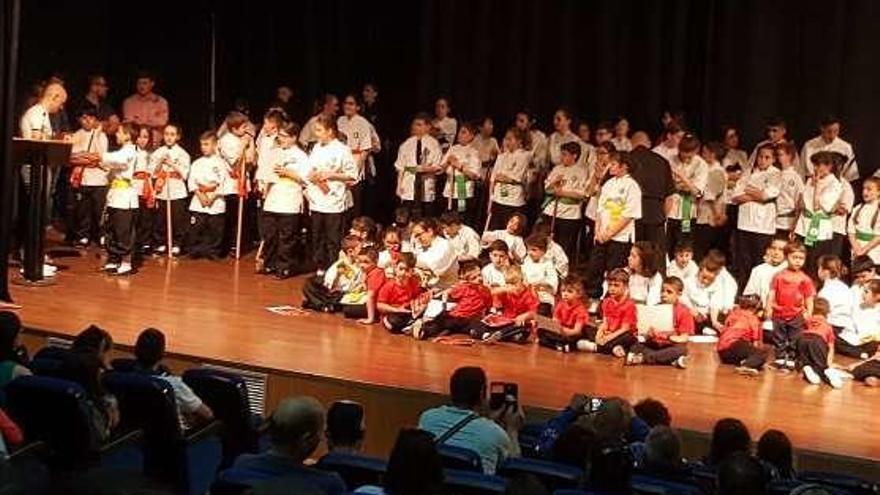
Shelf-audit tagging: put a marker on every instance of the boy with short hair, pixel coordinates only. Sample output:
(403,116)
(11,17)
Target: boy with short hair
(517,305)
(620,205)
(709,230)
(88,179)
(499,258)
(464,240)
(790,304)
(207,206)
(236,147)
(741,339)
(417,165)
(689,175)
(682,264)
(398,300)
(667,348)
(472,300)
(323,293)
(539,272)
(617,332)
(360,302)
(762,275)
(564,194)
(570,314)
(815,347)
(554,251)
(704,294)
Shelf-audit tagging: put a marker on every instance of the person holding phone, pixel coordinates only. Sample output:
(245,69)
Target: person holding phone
(471,424)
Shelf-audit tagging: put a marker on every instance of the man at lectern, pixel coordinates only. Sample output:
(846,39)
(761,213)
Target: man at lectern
(35,124)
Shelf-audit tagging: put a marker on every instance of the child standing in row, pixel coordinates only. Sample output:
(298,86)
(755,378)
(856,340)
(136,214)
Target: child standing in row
(509,179)
(790,303)
(564,189)
(207,206)
(171,168)
(122,201)
(462,166)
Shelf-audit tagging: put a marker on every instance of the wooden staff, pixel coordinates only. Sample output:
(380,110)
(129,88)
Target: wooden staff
(170,229)
(451,190)
(241,199)
(488,196)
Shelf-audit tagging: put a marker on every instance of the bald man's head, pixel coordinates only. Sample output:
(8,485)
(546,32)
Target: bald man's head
(54,97)
(640,138)
(296,426)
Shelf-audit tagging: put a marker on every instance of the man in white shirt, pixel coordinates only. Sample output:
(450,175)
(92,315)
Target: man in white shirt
(829,140)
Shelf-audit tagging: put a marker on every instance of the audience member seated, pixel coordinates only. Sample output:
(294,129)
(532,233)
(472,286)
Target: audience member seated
(663,458)
(12,355)
(10,435)
(345,427)
(653,412)
(494,438)
(295,430)
(525,484)
(741,474)
(574,447)
(611,468)
(728,437)
(149,350)
(94,340)
(414,467)
(775,451)
(87,369)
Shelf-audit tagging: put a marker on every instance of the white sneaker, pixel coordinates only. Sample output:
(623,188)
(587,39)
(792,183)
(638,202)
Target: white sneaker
(811,375)
(83,242)
(587,346)
(175,251)
(833,378)
(681,363)
(49,270)
(161,249)
(111,267)
(594,308)
(124,269)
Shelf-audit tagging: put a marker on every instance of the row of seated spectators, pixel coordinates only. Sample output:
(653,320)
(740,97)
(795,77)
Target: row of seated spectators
(146,430)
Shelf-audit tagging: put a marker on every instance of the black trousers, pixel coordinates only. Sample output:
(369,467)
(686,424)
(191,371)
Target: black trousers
(750,248)
(866,370)
(651,232)
(605,257)
(121,239)
(653,353)
(857,351)
(743,353)
(469,215)
(396,322)
(625,340)
(508,333)
(90,201)
(326,238)
(812,351)
(446,323)
(501,214)
(205,236)
(565,233)
(785,336)
(674,235)
(819,248)
(424,209)
(145,225)
(707,237)
(316,296)
(179,223)
(279,236)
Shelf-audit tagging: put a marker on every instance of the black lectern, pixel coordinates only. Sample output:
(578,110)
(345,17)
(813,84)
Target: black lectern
(40,155)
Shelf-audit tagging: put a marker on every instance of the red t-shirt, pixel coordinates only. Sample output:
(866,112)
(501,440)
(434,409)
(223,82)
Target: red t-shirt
(515,304)
(740,325)
(472,300)
(682,324)
(375,279)
(616,314)
(818,325)
(568,314)
(790,291)
(395,293)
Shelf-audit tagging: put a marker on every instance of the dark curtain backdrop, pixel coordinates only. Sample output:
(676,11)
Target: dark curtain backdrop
(721,61)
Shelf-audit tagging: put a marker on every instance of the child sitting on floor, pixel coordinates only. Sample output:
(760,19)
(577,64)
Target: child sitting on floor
(517,305)
(511,235)
(325,293)
(499,259)
(400,299)
(617,331)
(539,272)
(393,244)
(703,295)
(667,348)
(472,299)
(570,317)
(360,302)
(815,347)
(741,340)
(554,251)
(464,240)
(682,265)
(862,338)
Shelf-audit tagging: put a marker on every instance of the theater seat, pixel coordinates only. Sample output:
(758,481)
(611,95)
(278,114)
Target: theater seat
(49,367)
(552,475)
(356,470)
(227,395)
(55,412)
(188,460)
(123,364)
(647,485)
(460,458)
(851,484)
(460,482)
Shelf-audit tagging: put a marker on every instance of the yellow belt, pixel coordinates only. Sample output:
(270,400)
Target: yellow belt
(120,184)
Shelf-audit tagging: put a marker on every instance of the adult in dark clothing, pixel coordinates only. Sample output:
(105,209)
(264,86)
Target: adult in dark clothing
(651,171)
(95,100)
(383,183)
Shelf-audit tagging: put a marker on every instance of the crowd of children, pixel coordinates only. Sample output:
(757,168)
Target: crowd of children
(539,238)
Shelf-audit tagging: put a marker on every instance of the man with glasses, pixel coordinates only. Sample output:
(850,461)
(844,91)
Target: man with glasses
(95,99)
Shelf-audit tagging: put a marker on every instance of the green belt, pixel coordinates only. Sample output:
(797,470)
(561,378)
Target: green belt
(864,236)
(411,170)
(461,192)
(813,228)
(687,202)
(549,198)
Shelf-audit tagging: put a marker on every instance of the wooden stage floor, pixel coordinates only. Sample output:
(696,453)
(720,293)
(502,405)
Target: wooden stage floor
(216,310)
